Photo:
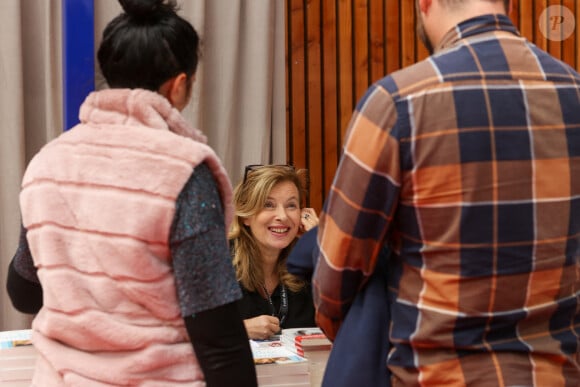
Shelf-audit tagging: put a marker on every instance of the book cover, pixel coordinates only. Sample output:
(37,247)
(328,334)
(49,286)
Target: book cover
(272,351)
(11,339)
(273,358)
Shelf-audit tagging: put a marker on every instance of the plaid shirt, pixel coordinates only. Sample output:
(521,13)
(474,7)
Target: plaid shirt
(467,165)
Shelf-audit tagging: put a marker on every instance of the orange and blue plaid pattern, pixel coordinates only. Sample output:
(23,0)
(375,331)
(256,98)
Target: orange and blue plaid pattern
(467,165)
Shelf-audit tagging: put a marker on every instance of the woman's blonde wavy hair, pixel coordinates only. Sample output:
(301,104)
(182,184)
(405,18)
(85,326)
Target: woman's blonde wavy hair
(249,198)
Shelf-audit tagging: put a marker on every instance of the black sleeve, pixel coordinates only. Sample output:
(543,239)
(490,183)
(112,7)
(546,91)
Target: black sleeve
(222,347)
(22,284)
(26,296)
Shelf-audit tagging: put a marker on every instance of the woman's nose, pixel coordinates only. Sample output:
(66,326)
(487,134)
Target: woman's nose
(281,212)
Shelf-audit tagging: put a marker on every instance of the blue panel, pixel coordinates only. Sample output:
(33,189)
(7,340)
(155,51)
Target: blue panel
(78,56)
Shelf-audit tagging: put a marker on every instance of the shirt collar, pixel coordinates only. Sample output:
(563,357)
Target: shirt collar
(476,26)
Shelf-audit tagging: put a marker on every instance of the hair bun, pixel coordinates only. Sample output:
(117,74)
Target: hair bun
(145,9)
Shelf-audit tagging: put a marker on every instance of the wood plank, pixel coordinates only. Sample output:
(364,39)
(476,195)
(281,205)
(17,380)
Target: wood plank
(361,48)
(314,98)
(577,34)
(539,38)
(526,26)
(570,44)
(393,35)
(332,143)
(345,64)
(298,83)
(377,65)
(515,13)
(407,33)
(287,61)
(554,45)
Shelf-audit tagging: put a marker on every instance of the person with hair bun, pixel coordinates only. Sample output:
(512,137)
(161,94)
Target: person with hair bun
(123,255)
(269,216)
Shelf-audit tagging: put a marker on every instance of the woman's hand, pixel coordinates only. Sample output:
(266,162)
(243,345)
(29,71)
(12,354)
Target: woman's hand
(308,219)
(262,327)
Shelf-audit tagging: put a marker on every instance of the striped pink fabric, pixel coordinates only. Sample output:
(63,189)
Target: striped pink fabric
(98,203)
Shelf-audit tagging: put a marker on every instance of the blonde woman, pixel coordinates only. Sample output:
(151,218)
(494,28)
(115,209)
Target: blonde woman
(267,221)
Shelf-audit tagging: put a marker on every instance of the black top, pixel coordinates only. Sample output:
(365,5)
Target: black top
(300,306)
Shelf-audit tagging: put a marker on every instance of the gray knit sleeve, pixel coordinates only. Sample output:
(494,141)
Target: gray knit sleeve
(204,274)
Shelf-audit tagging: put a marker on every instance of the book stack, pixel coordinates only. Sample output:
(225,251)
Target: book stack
(303,341)
(277,366)
(17,358)
(312,344)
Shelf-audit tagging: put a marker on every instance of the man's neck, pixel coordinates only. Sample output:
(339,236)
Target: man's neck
(442,18)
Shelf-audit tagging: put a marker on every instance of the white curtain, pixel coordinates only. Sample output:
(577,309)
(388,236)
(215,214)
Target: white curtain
(30,113)
(239,94)
(241,91)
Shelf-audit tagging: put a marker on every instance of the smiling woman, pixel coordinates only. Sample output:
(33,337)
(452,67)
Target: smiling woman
(268,219)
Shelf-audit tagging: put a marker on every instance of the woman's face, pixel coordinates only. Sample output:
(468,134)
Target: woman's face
(275,226)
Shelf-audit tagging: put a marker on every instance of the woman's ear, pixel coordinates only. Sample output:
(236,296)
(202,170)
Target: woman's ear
(246,222)
(177,91)
(424,5)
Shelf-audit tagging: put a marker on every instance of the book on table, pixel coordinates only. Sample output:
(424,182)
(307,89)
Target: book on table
(277,365)
(18,338)
(303,340)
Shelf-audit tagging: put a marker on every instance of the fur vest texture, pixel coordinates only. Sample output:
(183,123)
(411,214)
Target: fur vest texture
(98,203)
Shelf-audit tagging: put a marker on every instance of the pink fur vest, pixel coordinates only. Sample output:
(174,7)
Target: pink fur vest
(98,203)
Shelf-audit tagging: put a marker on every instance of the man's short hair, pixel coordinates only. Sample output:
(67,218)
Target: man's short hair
(506,3)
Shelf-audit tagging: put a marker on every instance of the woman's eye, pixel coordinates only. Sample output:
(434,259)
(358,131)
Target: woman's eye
(269,205)
(292,205)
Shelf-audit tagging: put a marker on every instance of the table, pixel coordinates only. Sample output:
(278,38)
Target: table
(17,366)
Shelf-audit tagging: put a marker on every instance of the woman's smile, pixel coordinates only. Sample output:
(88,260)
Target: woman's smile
(276,225)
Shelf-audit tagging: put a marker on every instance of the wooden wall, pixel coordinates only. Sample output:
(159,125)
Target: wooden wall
(336,48)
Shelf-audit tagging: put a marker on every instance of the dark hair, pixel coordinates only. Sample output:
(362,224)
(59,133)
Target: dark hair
(147,44)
